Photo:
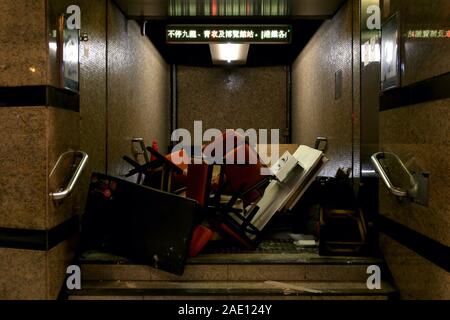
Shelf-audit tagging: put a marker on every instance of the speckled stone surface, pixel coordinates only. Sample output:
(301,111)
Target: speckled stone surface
(232,98)
(23,54)
(92,81)
(356,104)
(419,135)
(34,275)
(416,277)
(63,135)
(423,15)
(93,91)
(32,140)
(315,111)
(138,91)
(23,164)
(23,274)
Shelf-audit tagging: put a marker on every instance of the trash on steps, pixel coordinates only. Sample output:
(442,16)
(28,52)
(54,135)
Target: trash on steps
(289,287)
(160,227)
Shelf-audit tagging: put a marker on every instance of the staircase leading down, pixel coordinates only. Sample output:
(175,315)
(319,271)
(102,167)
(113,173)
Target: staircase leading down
(275,271)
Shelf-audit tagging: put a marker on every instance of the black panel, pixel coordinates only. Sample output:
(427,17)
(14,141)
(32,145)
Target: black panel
(30,96)
(428,90)
(23,239)
(142,224)
(430,249)
(63,232)
(41,240)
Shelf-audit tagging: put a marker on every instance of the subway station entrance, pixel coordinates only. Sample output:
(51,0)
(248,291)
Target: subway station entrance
(217,150)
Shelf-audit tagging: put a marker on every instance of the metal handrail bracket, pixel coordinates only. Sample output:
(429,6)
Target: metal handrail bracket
(419,187)
(64,193)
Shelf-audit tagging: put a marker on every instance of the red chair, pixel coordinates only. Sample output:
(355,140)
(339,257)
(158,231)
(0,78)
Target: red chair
(239,179)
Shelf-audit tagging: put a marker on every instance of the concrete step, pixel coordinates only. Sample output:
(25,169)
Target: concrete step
(272,273)
(308,266)
(220,290)
(260,272)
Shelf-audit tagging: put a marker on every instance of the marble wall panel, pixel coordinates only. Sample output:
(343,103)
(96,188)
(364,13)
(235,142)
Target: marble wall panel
(232,98)
(63,135)
(419,136)
(138,91)
(23,164)
(422,58)
(315,109)
(23,274)
(23,54)
(416,277)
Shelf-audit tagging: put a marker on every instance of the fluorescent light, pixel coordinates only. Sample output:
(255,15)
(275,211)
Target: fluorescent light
(223,53)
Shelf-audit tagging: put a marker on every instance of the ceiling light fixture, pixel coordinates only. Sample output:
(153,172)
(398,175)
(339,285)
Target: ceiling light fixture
(231,53)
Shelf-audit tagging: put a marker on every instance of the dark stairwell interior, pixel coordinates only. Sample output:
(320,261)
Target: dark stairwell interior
(278,269)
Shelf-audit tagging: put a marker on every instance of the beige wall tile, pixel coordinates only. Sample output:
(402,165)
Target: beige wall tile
(315,111)
(23,54)
(419,135)
(92,82)
(23,164)
(23,274)
(232,98)
(416,277)
(93,90)
(138,91)
(63,135)
(423,58)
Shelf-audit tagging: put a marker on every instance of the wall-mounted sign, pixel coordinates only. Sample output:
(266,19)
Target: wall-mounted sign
(281,34)
(69,44)
(429,34)
(390,53)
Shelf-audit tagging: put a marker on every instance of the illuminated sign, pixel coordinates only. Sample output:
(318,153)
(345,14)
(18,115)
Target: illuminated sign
(229,8)
(228,33)
(426,34)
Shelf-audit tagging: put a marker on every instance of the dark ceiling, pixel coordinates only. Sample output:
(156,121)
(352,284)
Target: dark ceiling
(160,8)
(305,17)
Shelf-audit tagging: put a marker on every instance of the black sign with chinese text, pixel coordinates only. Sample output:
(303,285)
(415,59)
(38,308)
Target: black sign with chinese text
(281,34)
